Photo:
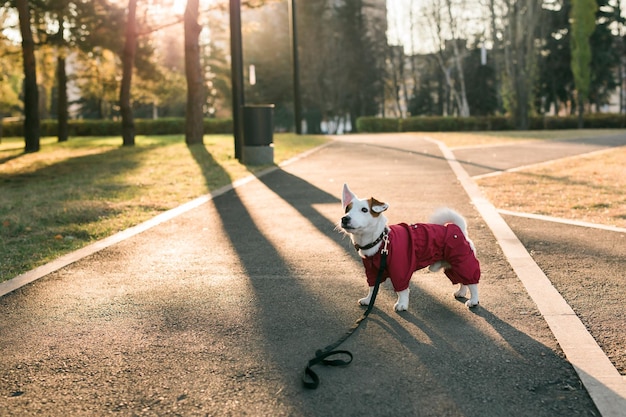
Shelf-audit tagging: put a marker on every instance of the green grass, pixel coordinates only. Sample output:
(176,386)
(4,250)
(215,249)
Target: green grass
(71,194)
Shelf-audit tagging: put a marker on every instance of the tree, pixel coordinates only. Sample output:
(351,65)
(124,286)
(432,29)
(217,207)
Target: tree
(267,48)
(555,81)
(194,128)
(60,8)
(128,59)
(606,51)
(31,94)
(520,58)
(481,85)
(11,75)
(583,23)
(363,28)
(445,32)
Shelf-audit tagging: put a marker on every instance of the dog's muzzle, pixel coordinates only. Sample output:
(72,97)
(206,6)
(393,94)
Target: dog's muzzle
(345,222)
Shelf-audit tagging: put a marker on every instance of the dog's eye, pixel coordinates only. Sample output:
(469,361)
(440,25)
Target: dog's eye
(364,210)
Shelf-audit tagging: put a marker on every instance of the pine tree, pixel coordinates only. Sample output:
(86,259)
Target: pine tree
(583,23)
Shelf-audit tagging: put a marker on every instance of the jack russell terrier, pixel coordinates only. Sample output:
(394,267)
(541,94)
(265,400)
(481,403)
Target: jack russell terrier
(442,243)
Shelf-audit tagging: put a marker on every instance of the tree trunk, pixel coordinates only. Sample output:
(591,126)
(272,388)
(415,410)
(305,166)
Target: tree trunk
(62,116)
(194,128)
(581,111)
(462,99)
(495,56)
(31,94)
(128,59)
(522,18)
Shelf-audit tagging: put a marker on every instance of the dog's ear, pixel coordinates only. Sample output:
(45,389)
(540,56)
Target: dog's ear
(347,196)
(377,207)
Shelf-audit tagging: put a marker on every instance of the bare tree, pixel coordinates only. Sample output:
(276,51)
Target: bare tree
(444,30)
(31,95)
(494,14)
(520,57)
(457,58)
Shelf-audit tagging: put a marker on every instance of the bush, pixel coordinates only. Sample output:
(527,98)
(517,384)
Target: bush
(218,126)
(377,124)
(429,124)
(90,127)
(485,123)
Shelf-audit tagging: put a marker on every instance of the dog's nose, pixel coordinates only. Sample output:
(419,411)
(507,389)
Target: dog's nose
(345,220)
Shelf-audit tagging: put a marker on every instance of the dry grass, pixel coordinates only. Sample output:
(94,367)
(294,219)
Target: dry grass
(589,188)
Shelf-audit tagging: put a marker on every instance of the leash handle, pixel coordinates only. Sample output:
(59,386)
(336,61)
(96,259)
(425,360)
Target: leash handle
(310,379)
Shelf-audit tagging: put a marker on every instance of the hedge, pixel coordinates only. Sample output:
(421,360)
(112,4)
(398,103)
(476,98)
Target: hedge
(448,123)
(164,126)
(377,124)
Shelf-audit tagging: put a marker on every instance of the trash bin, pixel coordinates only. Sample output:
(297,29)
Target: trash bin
(258,134)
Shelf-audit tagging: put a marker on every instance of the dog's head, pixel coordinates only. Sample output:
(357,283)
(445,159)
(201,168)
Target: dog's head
(361,216)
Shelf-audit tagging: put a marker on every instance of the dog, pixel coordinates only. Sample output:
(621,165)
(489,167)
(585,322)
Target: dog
(441,243)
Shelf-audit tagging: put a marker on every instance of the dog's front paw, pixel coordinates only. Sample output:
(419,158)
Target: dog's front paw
(365,301)
(403,301)
(400,306)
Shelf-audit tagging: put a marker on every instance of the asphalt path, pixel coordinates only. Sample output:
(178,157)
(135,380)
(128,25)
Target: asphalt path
(480,160)
(216,311)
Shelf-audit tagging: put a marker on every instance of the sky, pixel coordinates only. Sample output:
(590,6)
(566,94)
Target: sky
(397,21)
(399,26)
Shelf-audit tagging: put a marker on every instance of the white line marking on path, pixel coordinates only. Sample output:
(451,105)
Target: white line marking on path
(603,382)
(563,221)
(65,260)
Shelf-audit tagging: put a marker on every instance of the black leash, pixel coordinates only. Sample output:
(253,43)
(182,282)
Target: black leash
(310,378)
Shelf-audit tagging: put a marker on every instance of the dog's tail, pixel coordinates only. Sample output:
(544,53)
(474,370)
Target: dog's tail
(447,215)
(443,216)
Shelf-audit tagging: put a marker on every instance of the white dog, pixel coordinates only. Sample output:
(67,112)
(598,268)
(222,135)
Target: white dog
(442,243)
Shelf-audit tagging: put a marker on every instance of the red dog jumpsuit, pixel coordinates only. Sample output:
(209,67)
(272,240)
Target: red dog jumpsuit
(413,247)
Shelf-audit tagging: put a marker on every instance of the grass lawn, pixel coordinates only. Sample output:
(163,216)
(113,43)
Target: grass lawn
(590,188)
(70,194)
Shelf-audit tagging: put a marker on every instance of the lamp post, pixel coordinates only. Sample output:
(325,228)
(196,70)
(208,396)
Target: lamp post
(236,69)
(297,99)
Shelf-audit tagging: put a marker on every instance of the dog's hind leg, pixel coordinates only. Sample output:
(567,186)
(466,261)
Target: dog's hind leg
(473,301)
(403,301)
(461,292)
(365,301)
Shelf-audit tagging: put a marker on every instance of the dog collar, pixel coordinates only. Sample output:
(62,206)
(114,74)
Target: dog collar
(374,243)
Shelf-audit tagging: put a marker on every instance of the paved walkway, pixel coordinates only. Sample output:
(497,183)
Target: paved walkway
(216,310)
